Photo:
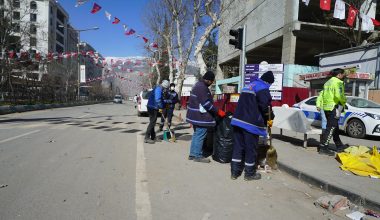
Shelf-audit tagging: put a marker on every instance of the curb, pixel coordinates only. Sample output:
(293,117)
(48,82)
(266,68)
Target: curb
(25,108)
(330,188)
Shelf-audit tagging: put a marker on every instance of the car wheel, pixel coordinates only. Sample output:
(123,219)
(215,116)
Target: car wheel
(139,114)
(356,128)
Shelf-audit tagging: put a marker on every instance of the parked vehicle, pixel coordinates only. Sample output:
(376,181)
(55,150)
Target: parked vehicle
(142,101)
(361,116)
(118,99)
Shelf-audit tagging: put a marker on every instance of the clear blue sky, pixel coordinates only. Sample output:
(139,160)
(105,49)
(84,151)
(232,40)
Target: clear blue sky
(110,40)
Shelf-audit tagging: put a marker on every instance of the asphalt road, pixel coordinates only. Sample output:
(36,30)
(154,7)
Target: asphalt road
(90,162)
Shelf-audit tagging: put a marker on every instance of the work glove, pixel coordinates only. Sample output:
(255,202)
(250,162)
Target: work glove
(270,123)
(160,110)
(221,113)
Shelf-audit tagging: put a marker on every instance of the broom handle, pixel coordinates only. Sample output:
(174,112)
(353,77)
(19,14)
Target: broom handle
(269,128)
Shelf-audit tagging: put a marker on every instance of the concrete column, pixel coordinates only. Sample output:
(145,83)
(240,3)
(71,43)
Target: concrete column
(290,24)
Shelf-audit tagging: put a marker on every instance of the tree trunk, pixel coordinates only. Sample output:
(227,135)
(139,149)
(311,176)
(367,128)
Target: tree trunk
(197,53)
(171,73)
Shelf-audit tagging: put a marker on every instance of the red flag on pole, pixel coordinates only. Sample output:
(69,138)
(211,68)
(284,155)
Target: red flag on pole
(116,21)
(130,32)
(375,22)
(352,13)
(325,5)
(95,8)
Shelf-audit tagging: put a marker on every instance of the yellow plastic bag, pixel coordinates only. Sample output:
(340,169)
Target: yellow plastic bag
(361,161)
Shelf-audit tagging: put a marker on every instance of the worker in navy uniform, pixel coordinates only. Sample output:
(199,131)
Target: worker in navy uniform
(249,122)
(170,99)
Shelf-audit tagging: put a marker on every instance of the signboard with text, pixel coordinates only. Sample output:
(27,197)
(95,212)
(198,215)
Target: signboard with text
(82,73)
(254,71)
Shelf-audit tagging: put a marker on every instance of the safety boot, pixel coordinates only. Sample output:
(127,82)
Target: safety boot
(250,173)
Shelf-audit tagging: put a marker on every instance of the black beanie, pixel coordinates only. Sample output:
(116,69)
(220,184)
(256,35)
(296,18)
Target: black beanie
(209,75)
(268,77)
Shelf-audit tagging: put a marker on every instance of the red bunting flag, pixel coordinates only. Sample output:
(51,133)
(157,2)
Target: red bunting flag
(116,21)
(145,39)
(352,13)
(375,22)
(130,32)
(325,5)
(154,45)
(95,8)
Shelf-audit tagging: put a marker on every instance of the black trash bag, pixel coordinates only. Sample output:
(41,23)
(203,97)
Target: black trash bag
(208,142)
(223,139)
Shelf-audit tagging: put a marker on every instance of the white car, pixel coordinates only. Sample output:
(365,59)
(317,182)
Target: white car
(142,101)
(118,99)
(361,116)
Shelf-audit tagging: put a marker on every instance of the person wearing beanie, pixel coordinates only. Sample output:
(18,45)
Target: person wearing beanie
(268,77)
(155,106)
(170,99)
(201,114)
(249,122)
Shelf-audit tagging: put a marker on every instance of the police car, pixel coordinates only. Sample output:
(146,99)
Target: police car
(361,116)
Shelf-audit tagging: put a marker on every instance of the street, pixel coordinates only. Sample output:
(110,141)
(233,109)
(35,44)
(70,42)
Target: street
(90,162)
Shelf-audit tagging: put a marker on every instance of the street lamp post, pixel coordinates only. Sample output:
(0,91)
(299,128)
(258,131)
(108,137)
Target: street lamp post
(78,47)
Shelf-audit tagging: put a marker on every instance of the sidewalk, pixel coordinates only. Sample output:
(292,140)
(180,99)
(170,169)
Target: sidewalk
(322,171)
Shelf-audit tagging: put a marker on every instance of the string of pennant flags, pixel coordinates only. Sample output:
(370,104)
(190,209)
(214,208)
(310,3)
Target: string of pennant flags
(99,61)
(115,20)
(368,23)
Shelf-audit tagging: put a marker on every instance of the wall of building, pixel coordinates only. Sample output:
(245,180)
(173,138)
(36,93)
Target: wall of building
(264,19)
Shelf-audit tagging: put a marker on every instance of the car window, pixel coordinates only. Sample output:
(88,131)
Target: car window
(117,97)
(363,103)
(146,94)
(311,101)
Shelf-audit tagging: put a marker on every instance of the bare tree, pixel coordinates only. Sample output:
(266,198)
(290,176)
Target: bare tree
(17,34)
(159,21)
(211,16)
(185,15)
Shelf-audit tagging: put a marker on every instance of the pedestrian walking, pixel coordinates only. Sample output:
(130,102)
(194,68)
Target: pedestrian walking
(333,103)
(201,113)
(249,122)
(135,100)
(155,105)
(170,99)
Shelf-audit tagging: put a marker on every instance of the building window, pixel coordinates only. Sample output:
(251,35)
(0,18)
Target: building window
(33,5)
(33,17)
(16,3)
(1,2)
(58,48)
(60,39)
(16,15)
(33,42)
(16,28)
(33,29)
(60,28)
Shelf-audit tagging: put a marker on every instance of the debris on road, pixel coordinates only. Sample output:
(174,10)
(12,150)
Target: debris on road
(3,186)
(355,215)
(51,141)
(332,203)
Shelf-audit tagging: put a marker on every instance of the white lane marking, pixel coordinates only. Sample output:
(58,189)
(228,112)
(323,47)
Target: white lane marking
(143,208)
(18,136)
(84,115)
